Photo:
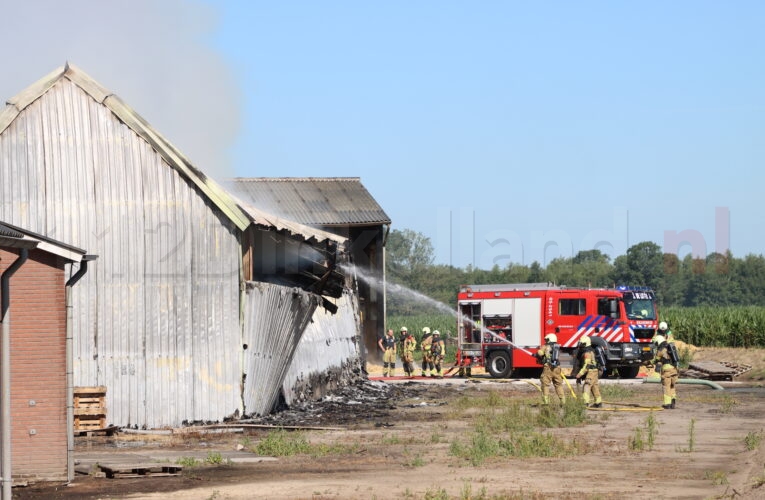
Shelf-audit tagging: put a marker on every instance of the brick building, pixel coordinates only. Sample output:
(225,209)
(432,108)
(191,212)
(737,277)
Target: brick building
(34,315)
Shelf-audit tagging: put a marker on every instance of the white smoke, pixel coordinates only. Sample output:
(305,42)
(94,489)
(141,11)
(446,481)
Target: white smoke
(152,54)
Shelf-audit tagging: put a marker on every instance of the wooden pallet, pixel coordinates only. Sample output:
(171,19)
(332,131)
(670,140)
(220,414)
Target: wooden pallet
(89,408)
(101,431)
(740,368)
(709,370)
(140,470)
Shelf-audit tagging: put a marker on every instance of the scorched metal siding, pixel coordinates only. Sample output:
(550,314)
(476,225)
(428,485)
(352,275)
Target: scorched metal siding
(328,350)
(275,318)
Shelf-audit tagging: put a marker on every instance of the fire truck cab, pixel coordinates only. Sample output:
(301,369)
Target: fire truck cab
(501,327)
(641,311)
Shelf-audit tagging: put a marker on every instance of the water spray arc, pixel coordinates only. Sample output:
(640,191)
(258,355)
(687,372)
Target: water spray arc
(393,288)
(497,337)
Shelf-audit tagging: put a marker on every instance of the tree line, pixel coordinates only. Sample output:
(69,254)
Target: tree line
(717,280)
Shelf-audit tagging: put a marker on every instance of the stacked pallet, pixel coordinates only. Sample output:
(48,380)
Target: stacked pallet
(89,408)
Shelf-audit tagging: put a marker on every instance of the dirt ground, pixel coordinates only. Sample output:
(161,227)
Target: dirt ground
(395,438)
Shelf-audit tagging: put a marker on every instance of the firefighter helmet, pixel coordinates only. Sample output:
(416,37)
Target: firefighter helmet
(551,338)
(663,326)
(436,333)
(426,330)
(585,341)
(404,329)
(659,339)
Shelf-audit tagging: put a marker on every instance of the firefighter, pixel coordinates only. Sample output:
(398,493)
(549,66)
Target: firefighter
(388,346)
(666,357)
(427,339)
(665,332)
(437,351)
(589,373)
(547,355)
(407,358)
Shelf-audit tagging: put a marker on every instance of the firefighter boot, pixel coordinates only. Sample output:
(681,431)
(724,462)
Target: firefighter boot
(672,404)
(667,403)
(386,371)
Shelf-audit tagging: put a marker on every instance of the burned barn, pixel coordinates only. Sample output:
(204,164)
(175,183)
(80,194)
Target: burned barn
(198,304)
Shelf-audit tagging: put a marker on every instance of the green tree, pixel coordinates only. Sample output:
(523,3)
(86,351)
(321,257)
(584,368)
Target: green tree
(536,273)
(675,281)
(642,265)
(407,252)
(749,272)
(408,260)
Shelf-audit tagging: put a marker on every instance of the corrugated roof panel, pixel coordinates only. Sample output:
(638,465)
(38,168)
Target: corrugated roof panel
(265,219)
(10,233)
(315,201)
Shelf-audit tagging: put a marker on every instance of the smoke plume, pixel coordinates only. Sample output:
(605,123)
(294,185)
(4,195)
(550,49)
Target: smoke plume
(150,53)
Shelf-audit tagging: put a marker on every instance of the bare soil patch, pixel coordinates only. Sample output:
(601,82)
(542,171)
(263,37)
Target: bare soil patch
(395,439)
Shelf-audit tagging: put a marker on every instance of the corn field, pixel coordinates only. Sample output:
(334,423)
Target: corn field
(731,326)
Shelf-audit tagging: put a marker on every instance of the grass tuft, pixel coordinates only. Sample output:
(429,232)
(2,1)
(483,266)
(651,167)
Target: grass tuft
(753,440)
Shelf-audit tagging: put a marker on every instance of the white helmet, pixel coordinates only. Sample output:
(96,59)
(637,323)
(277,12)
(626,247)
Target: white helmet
(404,329)
(663,325)
(585,341)
(436,333)
(659,339)
(426,330)
(551,338)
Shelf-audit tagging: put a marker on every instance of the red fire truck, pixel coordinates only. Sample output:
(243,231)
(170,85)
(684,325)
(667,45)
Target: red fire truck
(500,327)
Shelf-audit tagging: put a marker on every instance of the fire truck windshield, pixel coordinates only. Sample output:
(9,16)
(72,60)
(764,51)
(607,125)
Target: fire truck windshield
(640,308)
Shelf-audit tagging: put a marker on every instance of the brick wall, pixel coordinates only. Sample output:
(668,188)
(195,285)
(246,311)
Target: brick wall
(38,366)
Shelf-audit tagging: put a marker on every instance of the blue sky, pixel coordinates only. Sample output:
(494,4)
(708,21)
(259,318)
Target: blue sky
(504,131)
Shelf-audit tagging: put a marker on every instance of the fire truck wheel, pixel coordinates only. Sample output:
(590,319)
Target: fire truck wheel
(628,371)
(499,365)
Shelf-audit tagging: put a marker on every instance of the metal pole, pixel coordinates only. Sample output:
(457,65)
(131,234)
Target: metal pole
(385,279)
(69,366)
(5,374)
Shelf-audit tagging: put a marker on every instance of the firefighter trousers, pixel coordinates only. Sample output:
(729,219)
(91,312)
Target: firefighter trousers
(552,376)
(669,378)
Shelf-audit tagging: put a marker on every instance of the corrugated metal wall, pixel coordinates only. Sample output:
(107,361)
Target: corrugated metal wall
(328,352)
(158,314)
(274,320)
